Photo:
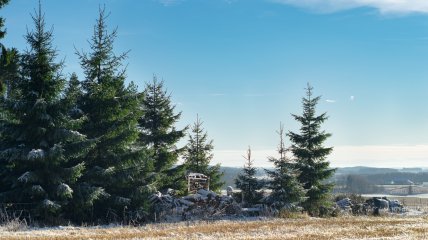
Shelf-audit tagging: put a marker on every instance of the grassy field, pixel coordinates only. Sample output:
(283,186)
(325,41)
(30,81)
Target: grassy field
(304,228)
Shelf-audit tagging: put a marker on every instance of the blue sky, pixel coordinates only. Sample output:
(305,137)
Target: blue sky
(242,65)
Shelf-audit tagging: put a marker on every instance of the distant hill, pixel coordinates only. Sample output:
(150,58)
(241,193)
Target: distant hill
(413,170)
(374,175)
(230,173)
(364,170)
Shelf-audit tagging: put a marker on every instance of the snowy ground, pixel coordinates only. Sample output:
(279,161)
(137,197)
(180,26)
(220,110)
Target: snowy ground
(389,227)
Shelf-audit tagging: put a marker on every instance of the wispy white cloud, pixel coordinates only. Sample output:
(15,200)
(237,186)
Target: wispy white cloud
(330,101)
(383,6)
(230,1)
(168,3)
(253,95)
(216,94)
(352,98)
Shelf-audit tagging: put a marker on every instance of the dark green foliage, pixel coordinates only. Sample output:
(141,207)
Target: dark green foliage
(160,135)
(307,147)
(40,148)
(2,32)
(286,189)
(8,60)
(199,149)
(117,168)
(249,184)
(198,155)
(215,174)
(9,72)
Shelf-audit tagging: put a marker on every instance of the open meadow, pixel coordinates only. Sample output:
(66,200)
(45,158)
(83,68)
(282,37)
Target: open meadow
(387,227)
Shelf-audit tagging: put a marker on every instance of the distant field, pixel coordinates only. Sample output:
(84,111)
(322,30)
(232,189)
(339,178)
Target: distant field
(305,228)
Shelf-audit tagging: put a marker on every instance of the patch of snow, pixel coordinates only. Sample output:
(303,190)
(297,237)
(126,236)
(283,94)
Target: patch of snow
(36,154)
(26,177)
(50,204)
(37,189)
(77,135)
(64,190)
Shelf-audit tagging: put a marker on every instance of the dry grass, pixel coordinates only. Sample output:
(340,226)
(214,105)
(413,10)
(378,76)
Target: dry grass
(304,228)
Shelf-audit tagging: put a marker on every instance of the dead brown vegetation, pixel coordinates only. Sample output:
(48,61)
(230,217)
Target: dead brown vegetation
(302,228)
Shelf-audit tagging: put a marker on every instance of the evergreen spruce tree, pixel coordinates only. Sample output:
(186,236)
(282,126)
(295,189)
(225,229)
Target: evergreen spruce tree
(310,153)
(39,145)
(8,60)
(198,155)
(158,132)
(215,174)
(286,189)
(2,32)
(117,169)
(248,182)
(9,72)
(73,95)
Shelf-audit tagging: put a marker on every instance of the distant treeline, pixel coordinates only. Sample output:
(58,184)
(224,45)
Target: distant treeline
(372,183)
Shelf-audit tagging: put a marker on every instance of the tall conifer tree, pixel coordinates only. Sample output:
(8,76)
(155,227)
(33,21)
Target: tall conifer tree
(248,182)
(9,72)
(286,189)
(39,144)
(198,155)
(159,133)
(2,32)
(311,155)
(116,168)
(9,59)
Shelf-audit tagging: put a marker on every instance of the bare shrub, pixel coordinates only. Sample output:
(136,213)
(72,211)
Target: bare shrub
(13,221)
(15,225)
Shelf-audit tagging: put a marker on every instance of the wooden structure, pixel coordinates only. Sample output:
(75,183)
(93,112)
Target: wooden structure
(196,181)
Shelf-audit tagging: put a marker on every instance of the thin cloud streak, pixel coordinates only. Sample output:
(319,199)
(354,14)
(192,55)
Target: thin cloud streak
(254,95)
(383,6)
(168,3)
(216,94)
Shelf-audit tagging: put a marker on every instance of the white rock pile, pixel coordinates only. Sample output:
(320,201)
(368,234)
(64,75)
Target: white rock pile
(202,205)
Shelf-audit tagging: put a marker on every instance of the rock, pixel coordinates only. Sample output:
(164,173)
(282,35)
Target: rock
(201,205)
(185,202)
(344,203)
